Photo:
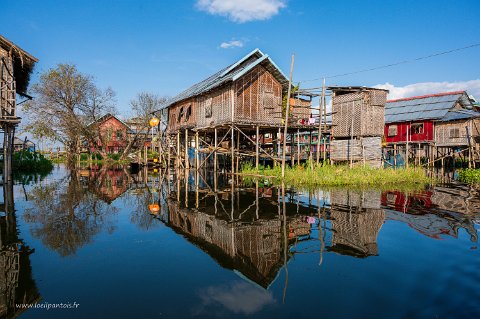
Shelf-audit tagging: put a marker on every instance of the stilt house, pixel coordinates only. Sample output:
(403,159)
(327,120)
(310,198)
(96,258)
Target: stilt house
(249,91)
(433,125)
(357,124)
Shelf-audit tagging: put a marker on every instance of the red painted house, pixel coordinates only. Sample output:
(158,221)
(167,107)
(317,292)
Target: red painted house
(113,134)
(414,118)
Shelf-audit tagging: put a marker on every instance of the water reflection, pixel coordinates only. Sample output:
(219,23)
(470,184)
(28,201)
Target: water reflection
(253,229)
(65,214)
(16,283)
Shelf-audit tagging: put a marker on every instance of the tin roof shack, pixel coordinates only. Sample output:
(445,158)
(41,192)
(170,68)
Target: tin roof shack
(357,124)
(446,121)
(248,91)
(239,104)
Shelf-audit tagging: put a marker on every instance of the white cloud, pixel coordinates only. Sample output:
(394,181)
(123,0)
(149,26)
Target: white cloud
(232,44)
(242,10)
(397,92)
(238,297)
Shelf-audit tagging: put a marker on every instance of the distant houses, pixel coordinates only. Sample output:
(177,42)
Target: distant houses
(433,126)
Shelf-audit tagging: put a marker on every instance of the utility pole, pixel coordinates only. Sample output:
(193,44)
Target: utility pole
(286,116)
(321,107)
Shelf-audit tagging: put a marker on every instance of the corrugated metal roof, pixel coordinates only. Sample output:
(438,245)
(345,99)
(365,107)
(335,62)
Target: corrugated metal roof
(230,73)
(432,107)
(460,115)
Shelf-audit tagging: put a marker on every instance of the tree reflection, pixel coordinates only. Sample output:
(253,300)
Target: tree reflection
(66,216)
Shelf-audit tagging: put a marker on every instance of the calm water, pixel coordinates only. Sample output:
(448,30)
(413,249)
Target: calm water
(223,251)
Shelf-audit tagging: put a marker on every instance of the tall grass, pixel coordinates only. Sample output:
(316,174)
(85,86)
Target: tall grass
(470,176)
(340,175)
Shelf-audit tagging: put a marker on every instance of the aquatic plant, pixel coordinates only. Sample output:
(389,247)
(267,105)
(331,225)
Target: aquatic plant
(328,175)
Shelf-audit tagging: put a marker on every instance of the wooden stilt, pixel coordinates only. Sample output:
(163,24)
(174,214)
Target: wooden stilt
(196,151)
(257,140)
(187,162)
(177,157)
(215,152)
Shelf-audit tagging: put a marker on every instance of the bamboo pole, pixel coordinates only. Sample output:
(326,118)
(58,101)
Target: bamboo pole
(196,151)
(256,147)
(321,110)
(286,115)
(187,162)
(298,147)
(177,164)
(351,138)
(215,153)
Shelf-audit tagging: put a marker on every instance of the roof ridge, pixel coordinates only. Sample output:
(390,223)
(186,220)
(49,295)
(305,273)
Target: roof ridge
(426,96)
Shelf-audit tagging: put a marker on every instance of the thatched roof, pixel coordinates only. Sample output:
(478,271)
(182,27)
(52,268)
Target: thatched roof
(23,63)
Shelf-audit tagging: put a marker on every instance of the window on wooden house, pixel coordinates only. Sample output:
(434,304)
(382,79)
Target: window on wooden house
(268,99)
(454,132)
(188,113)
(392,130)
(119,135)
(180,114)
(416,128)
(208,108)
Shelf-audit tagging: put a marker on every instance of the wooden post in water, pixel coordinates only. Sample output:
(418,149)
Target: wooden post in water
(286,115)
(187,162)
(177,158)
(232,146)
(257,140)
(196,151)
(215,152)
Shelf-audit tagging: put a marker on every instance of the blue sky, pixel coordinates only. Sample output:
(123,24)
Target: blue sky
(165,46)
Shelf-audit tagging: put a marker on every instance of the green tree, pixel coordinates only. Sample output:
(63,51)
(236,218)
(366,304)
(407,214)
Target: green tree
(66,103)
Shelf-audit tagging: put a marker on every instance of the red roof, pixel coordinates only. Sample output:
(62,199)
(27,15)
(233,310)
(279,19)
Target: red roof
(425,96)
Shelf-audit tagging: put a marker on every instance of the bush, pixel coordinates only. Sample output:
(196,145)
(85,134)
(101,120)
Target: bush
(30,162)
(469,176)
(114,157)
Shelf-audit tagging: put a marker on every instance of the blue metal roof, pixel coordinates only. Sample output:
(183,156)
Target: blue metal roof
(456,115)
(230,73)
(433,107)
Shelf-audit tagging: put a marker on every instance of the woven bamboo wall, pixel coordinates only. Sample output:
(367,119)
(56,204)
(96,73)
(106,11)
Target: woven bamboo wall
(368,148)
(367,110)
(214,108)
(444,133)
(258,98)
(7,86)
(173,115)
(300,108)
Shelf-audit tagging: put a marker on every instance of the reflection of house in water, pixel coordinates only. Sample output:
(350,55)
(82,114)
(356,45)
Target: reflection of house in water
(435,212)
(356,219)
(253,249)
(16,283)
(108,184)
(235,235)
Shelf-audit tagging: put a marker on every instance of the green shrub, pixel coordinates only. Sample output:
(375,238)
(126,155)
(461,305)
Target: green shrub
(30,162)
(469,176)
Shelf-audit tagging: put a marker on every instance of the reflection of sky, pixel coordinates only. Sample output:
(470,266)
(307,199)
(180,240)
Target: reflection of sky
(238,297)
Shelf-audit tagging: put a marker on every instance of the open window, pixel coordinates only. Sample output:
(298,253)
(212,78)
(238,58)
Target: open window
(180,114)
(188,112)
(416,128)
(208,108)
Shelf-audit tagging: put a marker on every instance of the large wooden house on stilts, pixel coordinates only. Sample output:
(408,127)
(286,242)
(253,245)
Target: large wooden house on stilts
(433,128)
(15,68)
(229,113)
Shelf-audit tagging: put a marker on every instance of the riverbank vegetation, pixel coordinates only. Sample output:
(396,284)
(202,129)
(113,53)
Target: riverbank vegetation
(470,176)
(328,175)
(31,162)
